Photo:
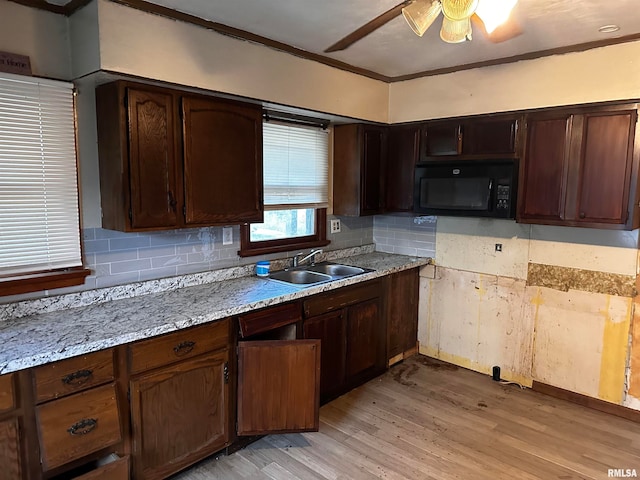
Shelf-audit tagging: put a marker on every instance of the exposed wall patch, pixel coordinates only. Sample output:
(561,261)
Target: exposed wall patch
(565,279)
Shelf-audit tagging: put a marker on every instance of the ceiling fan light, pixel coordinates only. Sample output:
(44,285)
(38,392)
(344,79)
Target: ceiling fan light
(459,9)
(421,14)
(455,31)
(494,13)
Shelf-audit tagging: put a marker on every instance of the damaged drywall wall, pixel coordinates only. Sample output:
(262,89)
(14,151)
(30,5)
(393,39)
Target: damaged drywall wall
(555,306)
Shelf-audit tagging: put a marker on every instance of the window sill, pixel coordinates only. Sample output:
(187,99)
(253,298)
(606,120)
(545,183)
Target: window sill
(265,248)
(35,282)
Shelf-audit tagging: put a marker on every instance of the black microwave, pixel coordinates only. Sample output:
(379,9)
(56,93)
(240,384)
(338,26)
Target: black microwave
(467,188)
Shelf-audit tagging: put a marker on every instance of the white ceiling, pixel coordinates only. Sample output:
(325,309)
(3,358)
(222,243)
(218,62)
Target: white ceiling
(394,50)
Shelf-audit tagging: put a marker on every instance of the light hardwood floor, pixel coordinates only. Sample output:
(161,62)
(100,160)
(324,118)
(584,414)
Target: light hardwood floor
(428,420)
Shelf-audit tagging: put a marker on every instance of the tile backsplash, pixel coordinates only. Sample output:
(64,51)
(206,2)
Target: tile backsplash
(405,235)
(117,258)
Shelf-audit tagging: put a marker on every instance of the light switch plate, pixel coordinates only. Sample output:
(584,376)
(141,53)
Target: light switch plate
(335,225)
(227,235)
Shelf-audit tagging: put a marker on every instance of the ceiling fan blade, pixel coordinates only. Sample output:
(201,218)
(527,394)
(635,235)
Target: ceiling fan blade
(367,28)
(508,30)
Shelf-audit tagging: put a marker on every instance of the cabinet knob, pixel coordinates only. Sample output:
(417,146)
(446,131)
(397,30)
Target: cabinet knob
(582,215)
(172,201)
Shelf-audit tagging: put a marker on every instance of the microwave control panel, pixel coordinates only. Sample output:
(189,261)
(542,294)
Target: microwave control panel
(503,192)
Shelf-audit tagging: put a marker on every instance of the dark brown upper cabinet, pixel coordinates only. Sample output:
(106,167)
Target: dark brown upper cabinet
(403,153)
(140,182)
(358,169)
(222,162)
(158,172)
(546,165)
(441,139)
(581,168)
(490,136)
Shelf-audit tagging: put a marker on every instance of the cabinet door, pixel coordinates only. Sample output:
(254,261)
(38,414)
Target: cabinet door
(403,152)
(441,139)
(153,164)
(278,386)
(10,450)
(330,330)
(546,161)
(605,167)
(222,162)
(179,415)
(402,312)
(366,340)
(374,150)
(489,136)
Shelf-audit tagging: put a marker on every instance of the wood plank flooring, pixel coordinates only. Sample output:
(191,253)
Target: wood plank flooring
(427,420)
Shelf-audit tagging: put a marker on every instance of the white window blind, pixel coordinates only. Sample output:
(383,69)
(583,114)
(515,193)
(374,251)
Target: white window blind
(296,166)
(39,220)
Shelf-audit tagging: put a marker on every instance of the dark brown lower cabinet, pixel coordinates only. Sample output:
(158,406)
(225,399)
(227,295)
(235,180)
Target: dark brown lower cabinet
(351,326)
(366,341)
(278,386)
(402,314)
(78,425)
(179,415)
(330,330)
(10,459)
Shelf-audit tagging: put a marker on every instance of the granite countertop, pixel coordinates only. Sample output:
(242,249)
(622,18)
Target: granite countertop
(38,339)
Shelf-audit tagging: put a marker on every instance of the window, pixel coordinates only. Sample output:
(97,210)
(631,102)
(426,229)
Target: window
(295,164)
(39,215)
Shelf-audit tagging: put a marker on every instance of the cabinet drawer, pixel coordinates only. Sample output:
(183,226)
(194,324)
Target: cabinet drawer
(7,397)
(341,297)
(78,425)
(73,375)
(118,470)
(177,346)
(268,319)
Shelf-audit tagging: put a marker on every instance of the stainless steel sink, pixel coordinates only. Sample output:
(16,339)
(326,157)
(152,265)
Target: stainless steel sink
(335,269)
(300,277)
(307,276)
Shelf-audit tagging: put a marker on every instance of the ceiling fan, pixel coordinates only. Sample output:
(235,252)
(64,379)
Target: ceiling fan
(490,16)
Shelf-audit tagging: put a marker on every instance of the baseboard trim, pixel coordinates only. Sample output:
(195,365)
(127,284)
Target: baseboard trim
(586,401)
(401,356)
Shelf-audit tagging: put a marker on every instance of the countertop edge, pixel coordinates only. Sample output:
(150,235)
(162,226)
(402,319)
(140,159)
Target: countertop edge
(69,351)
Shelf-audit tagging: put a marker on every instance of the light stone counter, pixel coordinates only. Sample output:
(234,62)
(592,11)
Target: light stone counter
(37,339)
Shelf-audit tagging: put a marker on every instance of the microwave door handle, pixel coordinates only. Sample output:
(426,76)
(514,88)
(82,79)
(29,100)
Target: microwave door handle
(491,193)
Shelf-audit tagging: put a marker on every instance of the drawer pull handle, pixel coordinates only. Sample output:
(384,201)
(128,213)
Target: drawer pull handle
(77,378)
(184,348)
(84,426)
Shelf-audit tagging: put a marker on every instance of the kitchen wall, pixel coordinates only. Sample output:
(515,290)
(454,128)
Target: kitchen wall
(137,43)
(94,37)
(42,36)
(607,73)
(517,308)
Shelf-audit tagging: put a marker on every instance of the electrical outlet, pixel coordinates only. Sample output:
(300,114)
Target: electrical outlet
(227,235)
(498,247)
(335,225)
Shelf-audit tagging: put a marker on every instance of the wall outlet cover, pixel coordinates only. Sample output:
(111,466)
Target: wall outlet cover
(227,235)
(335,225)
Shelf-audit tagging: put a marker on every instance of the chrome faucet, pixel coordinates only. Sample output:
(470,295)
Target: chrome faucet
(312,255)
